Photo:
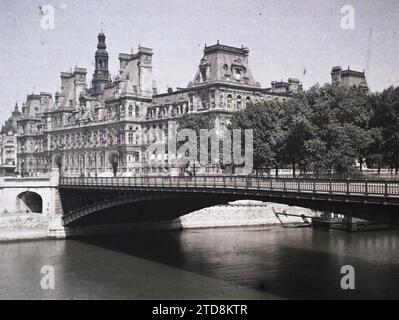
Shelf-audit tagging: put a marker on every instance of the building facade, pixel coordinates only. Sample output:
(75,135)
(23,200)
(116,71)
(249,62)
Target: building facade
(349,78)
(8,144)
(105,128)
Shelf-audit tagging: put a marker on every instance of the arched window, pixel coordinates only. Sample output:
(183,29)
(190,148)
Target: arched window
(247,101)
(239,102)
(229,100)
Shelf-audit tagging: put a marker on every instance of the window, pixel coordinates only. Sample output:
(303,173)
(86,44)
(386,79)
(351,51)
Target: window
(229,100)
(239,102)
(130,138)
(237,75)
(130,110)
(247,101)
(203,74)
(136,112)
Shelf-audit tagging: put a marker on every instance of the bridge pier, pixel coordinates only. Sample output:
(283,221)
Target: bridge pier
(56,229)
(31,208)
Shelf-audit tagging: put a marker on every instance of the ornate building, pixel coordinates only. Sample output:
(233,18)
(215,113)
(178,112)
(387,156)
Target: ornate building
(349,78)
(106,128)
(8,144)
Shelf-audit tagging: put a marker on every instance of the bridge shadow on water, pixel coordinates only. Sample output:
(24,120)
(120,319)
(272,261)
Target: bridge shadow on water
(289,263)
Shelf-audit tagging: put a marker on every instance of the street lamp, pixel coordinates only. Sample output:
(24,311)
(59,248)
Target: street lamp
(22,161)
(61,148)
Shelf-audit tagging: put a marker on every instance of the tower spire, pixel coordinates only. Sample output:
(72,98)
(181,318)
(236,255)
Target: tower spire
(101,73)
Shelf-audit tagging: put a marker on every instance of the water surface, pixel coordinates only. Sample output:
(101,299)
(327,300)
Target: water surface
(224,263)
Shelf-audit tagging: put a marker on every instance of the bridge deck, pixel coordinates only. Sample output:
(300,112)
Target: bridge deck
(371,199)
(347,187)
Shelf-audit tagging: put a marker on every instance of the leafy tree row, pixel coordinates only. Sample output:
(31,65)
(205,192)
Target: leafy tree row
(326,129)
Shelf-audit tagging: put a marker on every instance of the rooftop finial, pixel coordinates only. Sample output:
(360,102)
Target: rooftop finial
(218,41)
(102,26)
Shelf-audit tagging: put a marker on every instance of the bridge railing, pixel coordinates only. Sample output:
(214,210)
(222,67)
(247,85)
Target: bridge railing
(363,187)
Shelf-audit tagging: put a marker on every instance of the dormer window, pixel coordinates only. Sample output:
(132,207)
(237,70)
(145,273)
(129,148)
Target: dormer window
(203,74)
(237,75)
(204,69)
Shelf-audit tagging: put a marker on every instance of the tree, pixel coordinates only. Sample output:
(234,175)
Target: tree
(196,122)
(385,125)
(265,121)
(298,132)
(340,116)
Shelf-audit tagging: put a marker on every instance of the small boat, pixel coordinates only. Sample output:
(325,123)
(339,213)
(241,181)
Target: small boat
(303,224)
(297,225)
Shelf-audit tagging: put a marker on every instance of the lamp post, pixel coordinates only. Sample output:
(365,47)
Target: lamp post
(61,149)
(95,164)
(22,160)
(81,163)
(104,144)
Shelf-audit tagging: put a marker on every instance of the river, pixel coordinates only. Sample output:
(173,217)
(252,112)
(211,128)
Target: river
(223,263)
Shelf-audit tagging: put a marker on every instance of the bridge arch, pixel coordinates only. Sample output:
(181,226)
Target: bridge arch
(87,207)
(29,201)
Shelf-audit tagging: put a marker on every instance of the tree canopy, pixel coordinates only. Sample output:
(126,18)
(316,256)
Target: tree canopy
(325,129)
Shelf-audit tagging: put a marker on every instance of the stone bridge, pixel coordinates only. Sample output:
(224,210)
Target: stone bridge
(34,197)
(88,201)
(70,202)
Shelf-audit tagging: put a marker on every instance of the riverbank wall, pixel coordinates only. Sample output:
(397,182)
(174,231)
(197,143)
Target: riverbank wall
(24,226)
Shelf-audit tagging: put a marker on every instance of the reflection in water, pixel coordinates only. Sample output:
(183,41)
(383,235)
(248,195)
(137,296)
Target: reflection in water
(212,263)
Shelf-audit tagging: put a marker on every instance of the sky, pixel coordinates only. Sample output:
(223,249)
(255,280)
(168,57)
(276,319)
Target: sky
(285,37)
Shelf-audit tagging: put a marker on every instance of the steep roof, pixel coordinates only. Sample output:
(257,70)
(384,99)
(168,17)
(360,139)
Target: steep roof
(225,63)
